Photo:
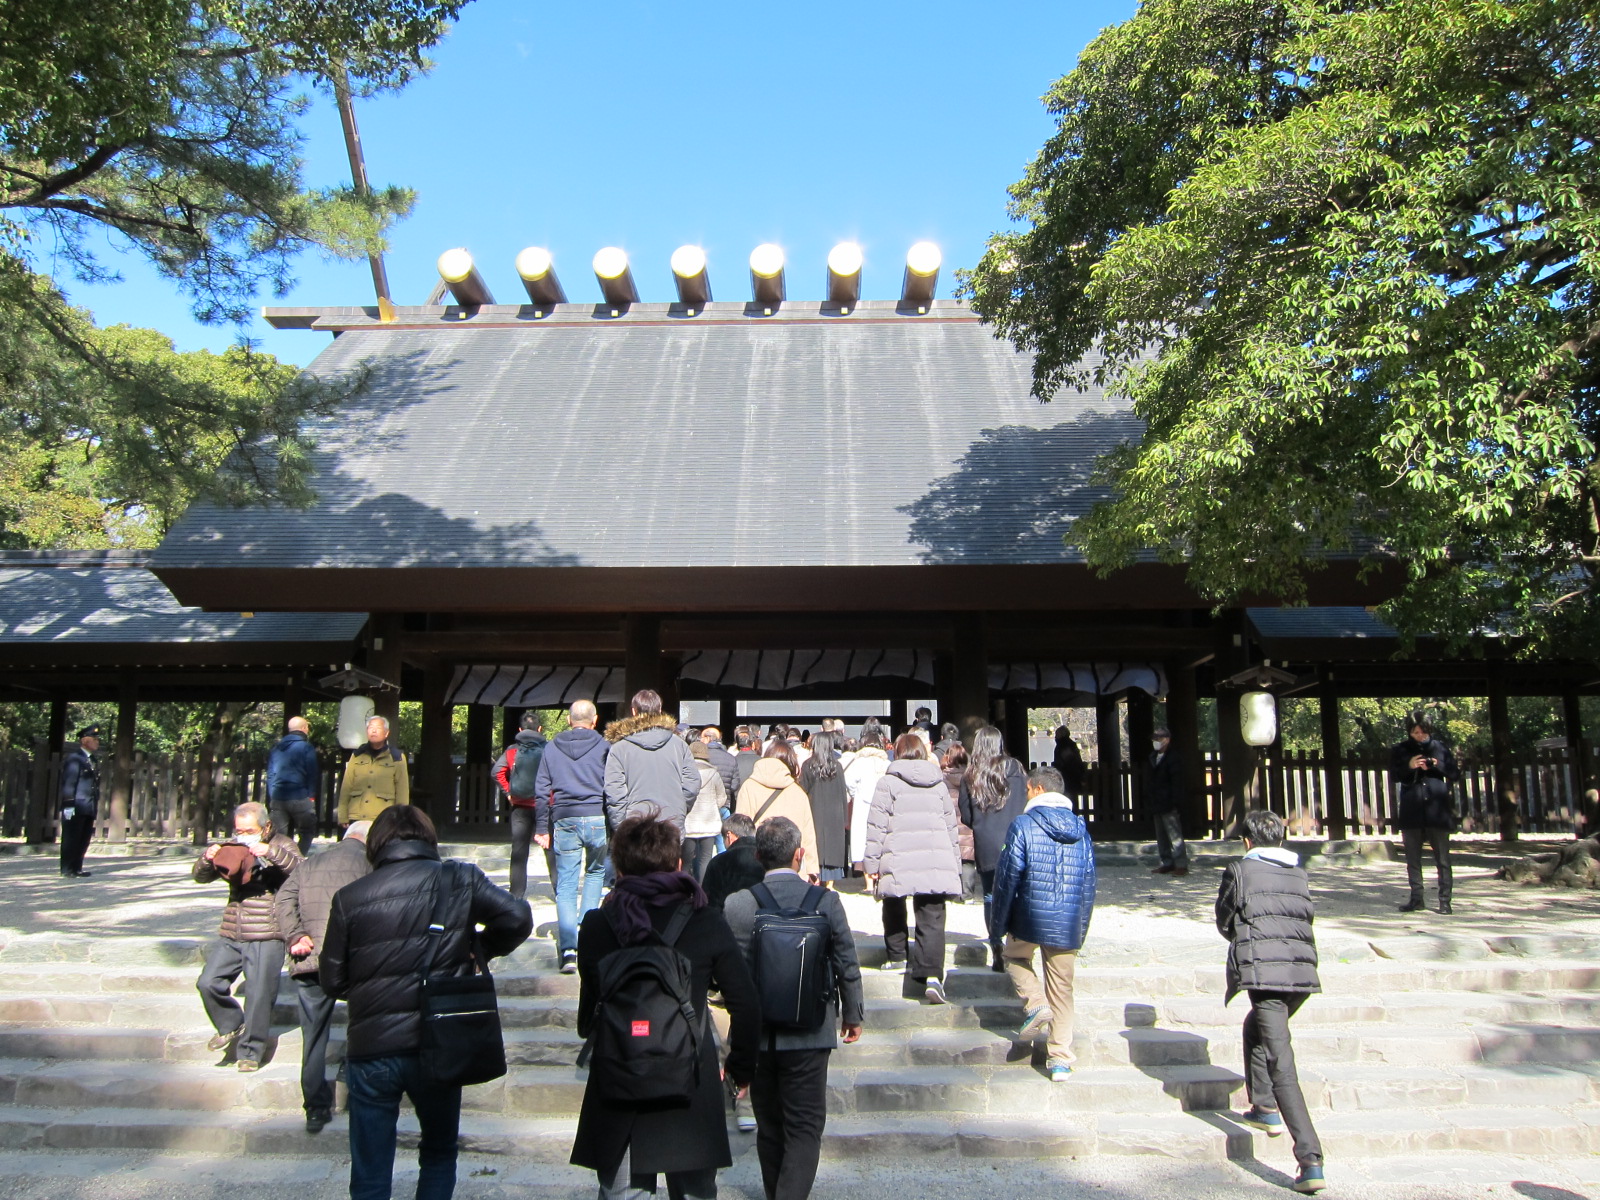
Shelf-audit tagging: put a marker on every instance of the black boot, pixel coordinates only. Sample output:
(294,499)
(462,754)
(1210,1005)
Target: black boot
(1444,907)
(1413,905)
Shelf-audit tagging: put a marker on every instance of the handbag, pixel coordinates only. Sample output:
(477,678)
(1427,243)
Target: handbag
(461,1041)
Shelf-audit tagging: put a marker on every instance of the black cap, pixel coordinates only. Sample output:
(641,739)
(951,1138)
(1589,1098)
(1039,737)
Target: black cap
(89,731)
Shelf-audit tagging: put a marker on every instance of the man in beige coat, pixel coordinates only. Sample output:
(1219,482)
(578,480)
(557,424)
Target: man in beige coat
(376,777)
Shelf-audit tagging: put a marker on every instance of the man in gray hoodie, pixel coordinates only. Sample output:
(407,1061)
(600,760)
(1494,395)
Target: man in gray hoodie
(571,822)
(649,764)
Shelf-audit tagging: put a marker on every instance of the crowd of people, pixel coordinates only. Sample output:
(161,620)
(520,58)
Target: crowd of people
(706,872)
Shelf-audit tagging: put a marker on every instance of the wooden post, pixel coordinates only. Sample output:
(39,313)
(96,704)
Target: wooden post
(1108,741)
(1505,785)
(480,733)
(1577,750)
(122,755)
(727,721)
(1239,762)
(510,723)
(1272,764)
(1183,722)
(293,697)
(383,658)
(1015,729)
(1332,760)
(641,666)
(435,792)
(969,677)
(41,801)
(1141,731)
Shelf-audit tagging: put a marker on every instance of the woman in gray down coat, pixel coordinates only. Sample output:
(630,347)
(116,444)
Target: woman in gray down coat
(912,852)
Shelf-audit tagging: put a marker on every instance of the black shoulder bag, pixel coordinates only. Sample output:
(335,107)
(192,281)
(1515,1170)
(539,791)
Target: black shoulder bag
(461,1040)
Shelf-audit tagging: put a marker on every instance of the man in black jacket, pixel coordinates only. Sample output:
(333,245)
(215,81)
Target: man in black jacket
(1264,909)
(375,952)
(737,867)
(80,801)
(1423,771)
(1163,795)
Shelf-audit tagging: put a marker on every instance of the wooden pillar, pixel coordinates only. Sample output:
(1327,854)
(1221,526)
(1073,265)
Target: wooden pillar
(727,720)
(641,667)
(1015,729)
(1239,762)
(1332,760)
(969,677)
(480,733)
(383,658)
(1183,722)
(41,800)
(1141,732)
(1577,749)
(293,697)
(1108,742)
(510,723)
(435,773)
(1506,791)
(122,755)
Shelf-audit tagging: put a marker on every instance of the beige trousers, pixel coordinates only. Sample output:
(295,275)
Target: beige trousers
(1054,994)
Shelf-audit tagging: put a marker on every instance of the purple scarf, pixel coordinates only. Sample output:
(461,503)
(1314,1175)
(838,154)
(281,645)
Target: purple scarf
(634,896)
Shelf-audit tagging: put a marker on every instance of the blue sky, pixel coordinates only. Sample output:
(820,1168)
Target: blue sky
(648,125)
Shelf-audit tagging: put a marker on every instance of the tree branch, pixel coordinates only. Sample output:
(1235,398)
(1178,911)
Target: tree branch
(71,177)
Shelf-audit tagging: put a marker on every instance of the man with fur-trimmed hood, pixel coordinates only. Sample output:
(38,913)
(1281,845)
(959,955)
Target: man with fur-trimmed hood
(649,764)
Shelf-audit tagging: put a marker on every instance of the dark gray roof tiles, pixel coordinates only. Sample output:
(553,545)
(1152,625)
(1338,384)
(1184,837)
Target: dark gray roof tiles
(741,442)
(110,598)
(1330,621)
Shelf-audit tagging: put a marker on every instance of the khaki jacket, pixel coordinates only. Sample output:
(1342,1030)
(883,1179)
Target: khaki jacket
(373,783)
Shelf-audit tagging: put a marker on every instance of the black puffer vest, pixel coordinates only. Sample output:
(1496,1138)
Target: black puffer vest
(1264,909)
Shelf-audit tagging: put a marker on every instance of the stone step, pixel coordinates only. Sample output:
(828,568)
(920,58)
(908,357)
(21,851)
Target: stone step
(1184,1136)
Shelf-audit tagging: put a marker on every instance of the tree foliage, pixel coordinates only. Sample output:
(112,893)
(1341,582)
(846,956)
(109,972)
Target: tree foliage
(1342,256)
(167,128)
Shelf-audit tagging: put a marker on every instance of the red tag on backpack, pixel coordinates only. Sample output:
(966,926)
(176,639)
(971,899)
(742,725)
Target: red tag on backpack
(641,1029)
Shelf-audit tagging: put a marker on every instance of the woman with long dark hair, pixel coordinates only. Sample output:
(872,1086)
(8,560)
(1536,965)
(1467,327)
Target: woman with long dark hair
(823,781)
(994,791)
(911,855)
(627,1145)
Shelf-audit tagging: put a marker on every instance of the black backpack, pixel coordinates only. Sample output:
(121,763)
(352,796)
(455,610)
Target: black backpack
(644,1048)
(524,774)
(790,960)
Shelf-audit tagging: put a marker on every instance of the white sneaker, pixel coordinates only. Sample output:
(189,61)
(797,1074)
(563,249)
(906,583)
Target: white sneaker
(1038,1023)
(934,991)
(743,1114)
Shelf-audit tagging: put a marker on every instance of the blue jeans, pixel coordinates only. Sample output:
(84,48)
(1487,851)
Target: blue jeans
(580,849)
(376,1085)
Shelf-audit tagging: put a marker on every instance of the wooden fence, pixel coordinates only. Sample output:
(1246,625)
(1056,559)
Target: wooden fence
(173,796)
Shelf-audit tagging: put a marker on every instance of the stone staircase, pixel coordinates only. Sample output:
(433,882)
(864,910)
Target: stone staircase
(102,1046)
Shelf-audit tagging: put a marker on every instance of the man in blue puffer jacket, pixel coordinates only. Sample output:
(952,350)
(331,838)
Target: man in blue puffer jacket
(1043,899)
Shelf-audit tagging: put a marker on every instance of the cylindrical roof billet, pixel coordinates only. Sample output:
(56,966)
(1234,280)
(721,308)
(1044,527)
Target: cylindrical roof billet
(616,277)
(538,272)
(922,274)
(690,275)
(844,273)
(459,274)
(766,273)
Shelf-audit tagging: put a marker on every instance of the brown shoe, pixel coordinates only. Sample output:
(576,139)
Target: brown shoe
(223,1040)
(249,1064)
(1163,870)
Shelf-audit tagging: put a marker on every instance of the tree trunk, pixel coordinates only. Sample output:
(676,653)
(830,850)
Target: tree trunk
(1576,865)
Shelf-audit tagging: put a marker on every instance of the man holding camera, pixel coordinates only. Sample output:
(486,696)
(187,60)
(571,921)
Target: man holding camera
(1423,771)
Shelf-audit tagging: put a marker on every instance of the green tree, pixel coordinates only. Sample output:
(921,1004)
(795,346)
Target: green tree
(1342,257)
(169,127)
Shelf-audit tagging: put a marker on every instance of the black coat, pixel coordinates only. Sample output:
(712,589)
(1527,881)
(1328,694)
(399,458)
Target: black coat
(80,782)
(830,808)
(670,1139)
(377,943)
(1264,909)
(1427,799)
(989,829)
(1163,782)
(735,869)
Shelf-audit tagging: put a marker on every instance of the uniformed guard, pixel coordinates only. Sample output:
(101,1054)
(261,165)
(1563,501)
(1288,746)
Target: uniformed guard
(80,801)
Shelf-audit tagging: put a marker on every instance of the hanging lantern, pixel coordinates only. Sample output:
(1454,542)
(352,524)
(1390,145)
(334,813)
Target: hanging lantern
(1258,718)
(354,713)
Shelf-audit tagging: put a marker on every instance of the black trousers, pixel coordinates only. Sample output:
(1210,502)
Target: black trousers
(1439,842)
(925,956)
(296,819)
(1270,1074)
(261,964)
(76,831)
(522,820)
(316,1018)
(790,1098)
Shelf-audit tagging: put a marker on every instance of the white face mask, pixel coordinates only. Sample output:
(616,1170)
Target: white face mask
(248,839)
(1159,745)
